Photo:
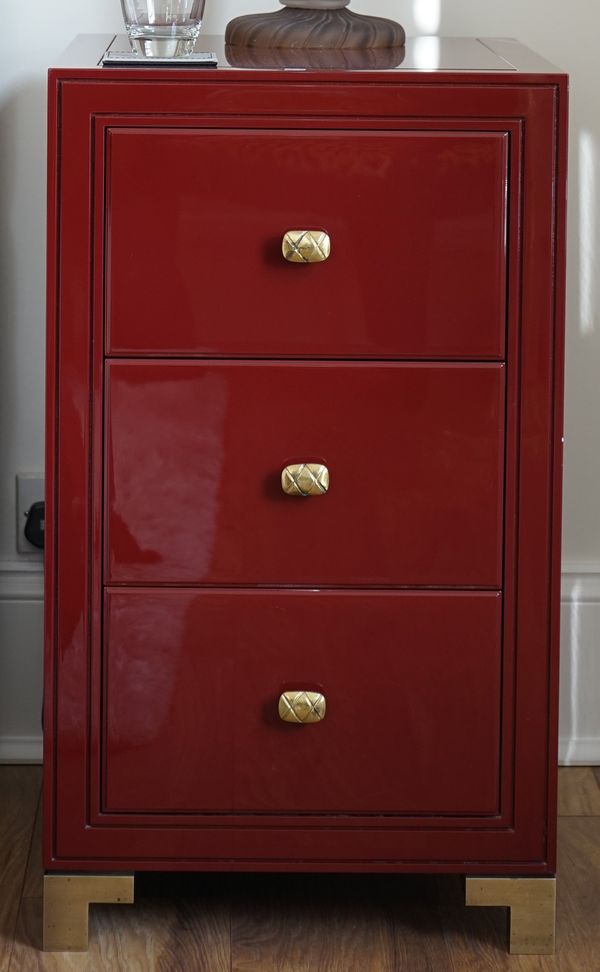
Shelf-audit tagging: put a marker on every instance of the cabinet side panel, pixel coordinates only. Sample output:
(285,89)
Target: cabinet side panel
(540,351)
(69,550)
(51,440)
(560,263)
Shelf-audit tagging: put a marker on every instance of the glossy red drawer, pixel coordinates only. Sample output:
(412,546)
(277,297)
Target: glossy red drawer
(193,679)
(194,455)
(195,220)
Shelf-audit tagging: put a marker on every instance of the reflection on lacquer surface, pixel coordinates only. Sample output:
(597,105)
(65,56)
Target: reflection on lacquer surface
(426,53)
(143,660)
(168,474)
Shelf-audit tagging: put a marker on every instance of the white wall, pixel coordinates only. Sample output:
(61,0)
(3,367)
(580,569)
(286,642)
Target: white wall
(32,37)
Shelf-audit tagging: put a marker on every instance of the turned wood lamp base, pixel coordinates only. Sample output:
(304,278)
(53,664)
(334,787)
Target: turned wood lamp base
(314,25)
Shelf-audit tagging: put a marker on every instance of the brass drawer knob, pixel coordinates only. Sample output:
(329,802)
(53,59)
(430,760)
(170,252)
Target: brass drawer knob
(305,479)
(306,246)
(302,707)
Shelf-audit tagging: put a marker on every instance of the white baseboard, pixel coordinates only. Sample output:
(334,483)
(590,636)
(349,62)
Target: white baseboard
(581,583)
(21,581)
(582,751)
(21,622)
(579,743)
(20,749)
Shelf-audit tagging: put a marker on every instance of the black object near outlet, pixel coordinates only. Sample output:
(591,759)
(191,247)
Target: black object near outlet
(34,527)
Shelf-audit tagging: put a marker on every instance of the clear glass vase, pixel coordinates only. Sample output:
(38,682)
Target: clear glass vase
(163,28)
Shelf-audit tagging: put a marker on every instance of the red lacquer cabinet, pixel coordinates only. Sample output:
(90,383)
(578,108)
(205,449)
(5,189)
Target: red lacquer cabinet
(304,461)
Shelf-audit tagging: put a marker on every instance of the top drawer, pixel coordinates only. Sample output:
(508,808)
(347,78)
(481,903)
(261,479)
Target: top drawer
(194,226)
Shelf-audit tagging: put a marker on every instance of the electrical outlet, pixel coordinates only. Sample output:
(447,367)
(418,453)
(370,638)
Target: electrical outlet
(30,489)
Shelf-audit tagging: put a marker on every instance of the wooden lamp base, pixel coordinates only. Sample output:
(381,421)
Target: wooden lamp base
(314,25)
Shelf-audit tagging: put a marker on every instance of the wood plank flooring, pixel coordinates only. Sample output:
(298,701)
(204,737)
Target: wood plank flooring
(298,923)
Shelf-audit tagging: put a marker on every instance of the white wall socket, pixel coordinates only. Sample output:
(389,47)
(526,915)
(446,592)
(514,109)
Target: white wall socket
(30,489)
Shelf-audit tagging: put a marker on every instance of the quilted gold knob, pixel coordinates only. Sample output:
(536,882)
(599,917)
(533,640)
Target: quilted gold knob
(305,479)
(302,707)
(306,246)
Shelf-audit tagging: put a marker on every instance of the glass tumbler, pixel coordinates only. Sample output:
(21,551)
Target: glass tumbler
(163,28)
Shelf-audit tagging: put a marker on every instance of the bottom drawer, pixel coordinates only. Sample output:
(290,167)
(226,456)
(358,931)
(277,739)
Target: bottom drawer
(192,682)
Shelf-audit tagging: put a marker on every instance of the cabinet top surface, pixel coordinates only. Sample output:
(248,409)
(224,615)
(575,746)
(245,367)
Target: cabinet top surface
(493,59)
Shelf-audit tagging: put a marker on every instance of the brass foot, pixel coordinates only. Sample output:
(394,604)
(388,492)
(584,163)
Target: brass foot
(532,903)
(66,906)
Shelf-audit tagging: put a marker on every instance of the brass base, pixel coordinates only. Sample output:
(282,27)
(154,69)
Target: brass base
(532,903)
(299,28)
(66,906)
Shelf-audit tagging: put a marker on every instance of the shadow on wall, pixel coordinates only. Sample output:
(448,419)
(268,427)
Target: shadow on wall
(586,169)
(22,276)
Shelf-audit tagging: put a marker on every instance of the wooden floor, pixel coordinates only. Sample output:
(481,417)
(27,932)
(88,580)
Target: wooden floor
(284,923)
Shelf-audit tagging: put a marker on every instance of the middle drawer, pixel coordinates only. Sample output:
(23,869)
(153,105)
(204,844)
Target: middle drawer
(194,455)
